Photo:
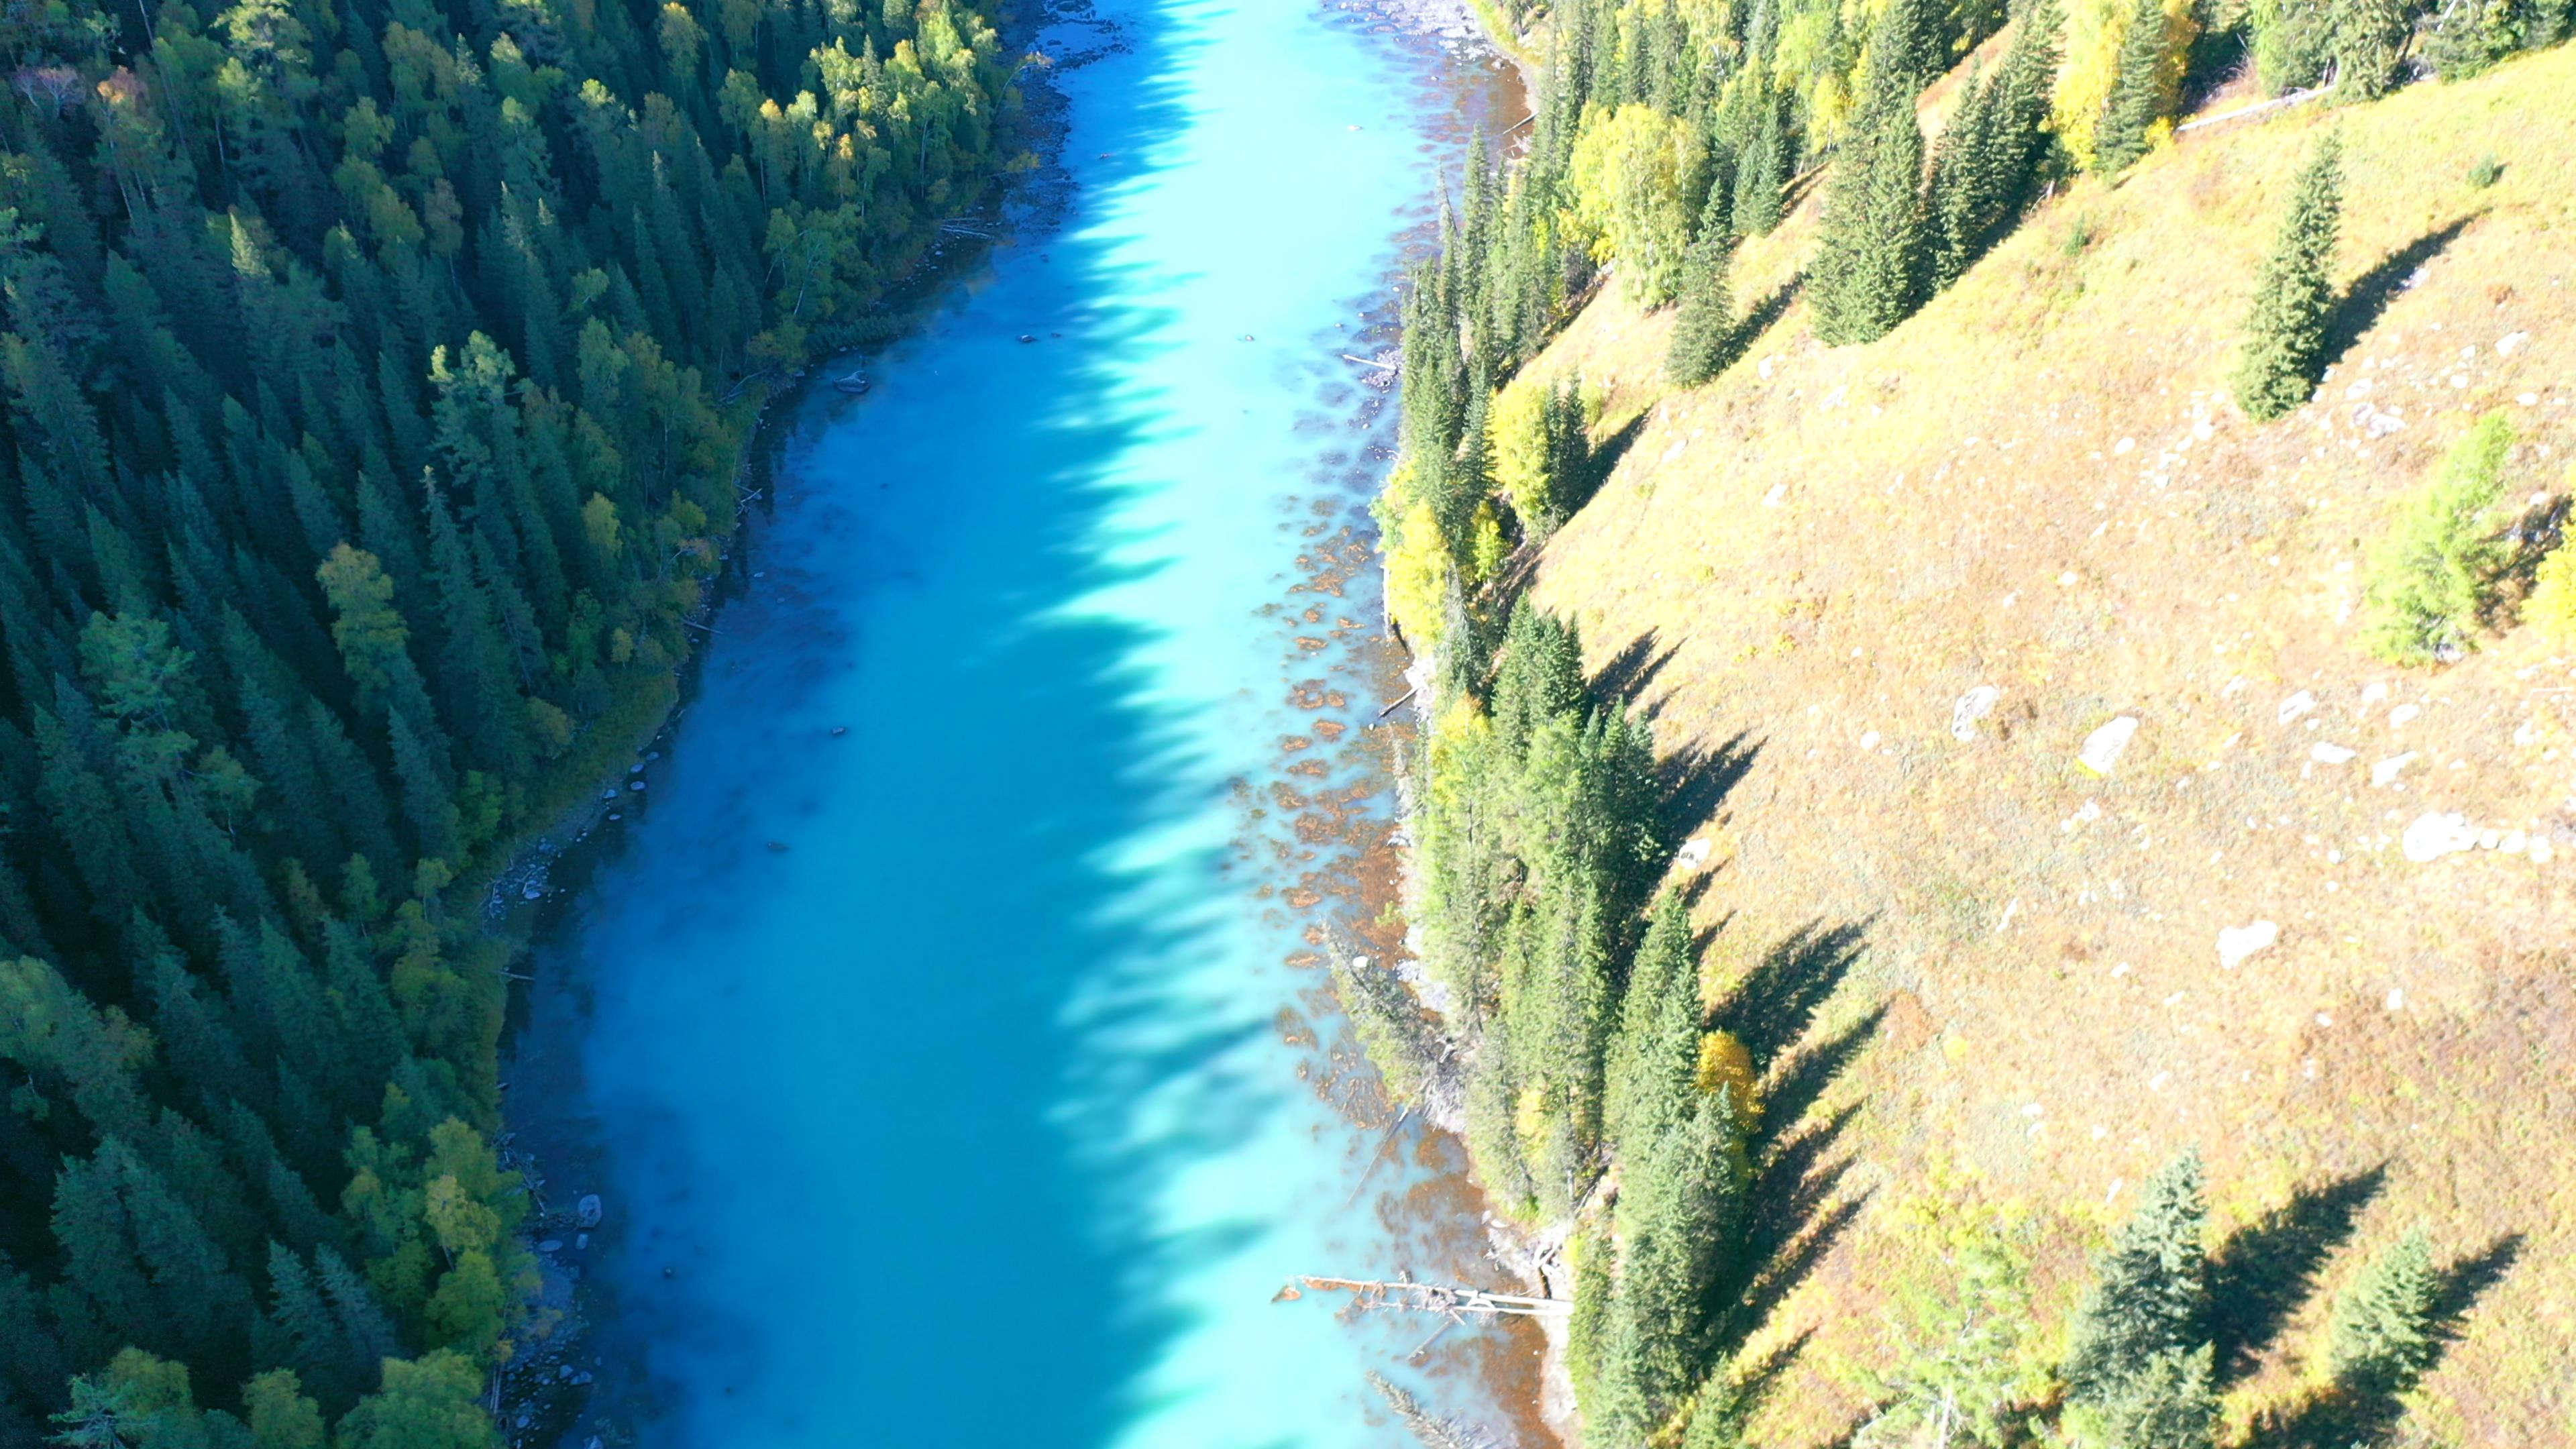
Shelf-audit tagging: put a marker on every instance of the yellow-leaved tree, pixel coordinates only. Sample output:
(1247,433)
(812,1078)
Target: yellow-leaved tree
(1636,172)
(2095,32)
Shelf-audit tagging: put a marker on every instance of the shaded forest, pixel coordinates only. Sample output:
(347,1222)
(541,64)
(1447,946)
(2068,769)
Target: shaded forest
(378,377)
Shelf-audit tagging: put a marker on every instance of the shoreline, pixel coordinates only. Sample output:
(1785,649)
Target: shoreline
(542,1397)
(545,1396)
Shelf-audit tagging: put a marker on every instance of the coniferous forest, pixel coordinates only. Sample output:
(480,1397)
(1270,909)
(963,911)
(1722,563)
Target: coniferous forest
(378,374)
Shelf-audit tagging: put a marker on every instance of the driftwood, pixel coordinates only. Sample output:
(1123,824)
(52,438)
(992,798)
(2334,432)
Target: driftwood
(1399,702)
(2258,108)
(1372,362)
(1439,1298)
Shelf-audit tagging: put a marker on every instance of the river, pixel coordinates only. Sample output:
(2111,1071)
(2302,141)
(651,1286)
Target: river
(940,1019)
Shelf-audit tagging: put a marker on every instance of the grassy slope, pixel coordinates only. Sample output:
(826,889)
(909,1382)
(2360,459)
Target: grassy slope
(2040,483)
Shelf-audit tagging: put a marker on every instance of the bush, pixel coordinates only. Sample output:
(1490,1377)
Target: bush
(2429,576)
(2487,172)
(2552,606)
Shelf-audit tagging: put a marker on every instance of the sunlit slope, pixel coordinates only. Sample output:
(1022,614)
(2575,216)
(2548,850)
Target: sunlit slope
(2040,484)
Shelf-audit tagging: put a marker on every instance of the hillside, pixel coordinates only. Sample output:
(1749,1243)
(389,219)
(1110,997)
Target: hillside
(2039,484)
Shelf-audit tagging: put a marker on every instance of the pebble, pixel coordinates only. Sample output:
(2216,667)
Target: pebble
(2326,754)
(2295,706)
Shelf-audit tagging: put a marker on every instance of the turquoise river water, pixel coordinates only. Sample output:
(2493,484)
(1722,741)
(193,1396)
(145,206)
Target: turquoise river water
(939,1019)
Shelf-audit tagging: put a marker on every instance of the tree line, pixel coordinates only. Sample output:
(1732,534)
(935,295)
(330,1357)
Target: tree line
(367,449)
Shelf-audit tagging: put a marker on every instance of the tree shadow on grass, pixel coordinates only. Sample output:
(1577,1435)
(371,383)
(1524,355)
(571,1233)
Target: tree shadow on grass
(1794,1209)
(1801,1080)
(2267,1268)
(1633,667)
(1757,319)
(1696,781)
(2369,295)
(1772,1007)
(2346,1413)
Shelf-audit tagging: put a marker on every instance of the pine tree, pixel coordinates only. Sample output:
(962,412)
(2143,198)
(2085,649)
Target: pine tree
(2170,1401)
(2150,1294)
(2285,332)
(2369,41)
(1760,173)
(2138,89)
(1869,262)
(2382,1339)
(1704,325)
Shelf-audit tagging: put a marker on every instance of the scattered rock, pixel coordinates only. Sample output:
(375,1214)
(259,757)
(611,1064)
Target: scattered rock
(1693,854)
(587,1211)
(2401,714)
(1973,706)
(2434,835)
(2235,943)
(2387,770)
(2326,754)
(2103,747)
(2506,344)
(2295,706)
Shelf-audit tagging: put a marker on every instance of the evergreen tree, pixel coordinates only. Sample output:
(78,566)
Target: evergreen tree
(1761,173)
(2138,91)
(2169,1401)
(1704,325)
(2150,1294)
(2383,1339)
(2285,332)
(1868,264)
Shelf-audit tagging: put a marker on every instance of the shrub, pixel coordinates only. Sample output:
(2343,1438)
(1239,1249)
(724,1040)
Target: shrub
(2552,605)
(2487,172)
(2428,577)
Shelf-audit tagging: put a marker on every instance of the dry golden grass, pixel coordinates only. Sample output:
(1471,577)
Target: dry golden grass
(2040,484)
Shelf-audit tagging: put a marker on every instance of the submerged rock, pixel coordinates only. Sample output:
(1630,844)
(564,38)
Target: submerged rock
(587,1212)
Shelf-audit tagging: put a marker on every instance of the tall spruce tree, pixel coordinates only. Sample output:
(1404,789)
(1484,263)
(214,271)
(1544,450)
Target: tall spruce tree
(2285,331)
(1704,325)
(1868,270)
(2382,1337)
(2150,1295)
(2138,90)
(1761,172)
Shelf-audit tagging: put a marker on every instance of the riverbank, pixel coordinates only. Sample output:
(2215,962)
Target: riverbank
(541,1396)
(893,620)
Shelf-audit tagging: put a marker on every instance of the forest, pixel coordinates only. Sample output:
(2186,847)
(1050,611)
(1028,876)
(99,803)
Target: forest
(379,379)
(1610,1099)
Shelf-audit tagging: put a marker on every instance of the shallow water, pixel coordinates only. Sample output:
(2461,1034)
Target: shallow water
(940,1022)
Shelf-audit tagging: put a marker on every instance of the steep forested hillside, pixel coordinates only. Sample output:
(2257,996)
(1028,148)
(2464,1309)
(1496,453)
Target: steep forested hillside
(368,367)
(1931,590)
